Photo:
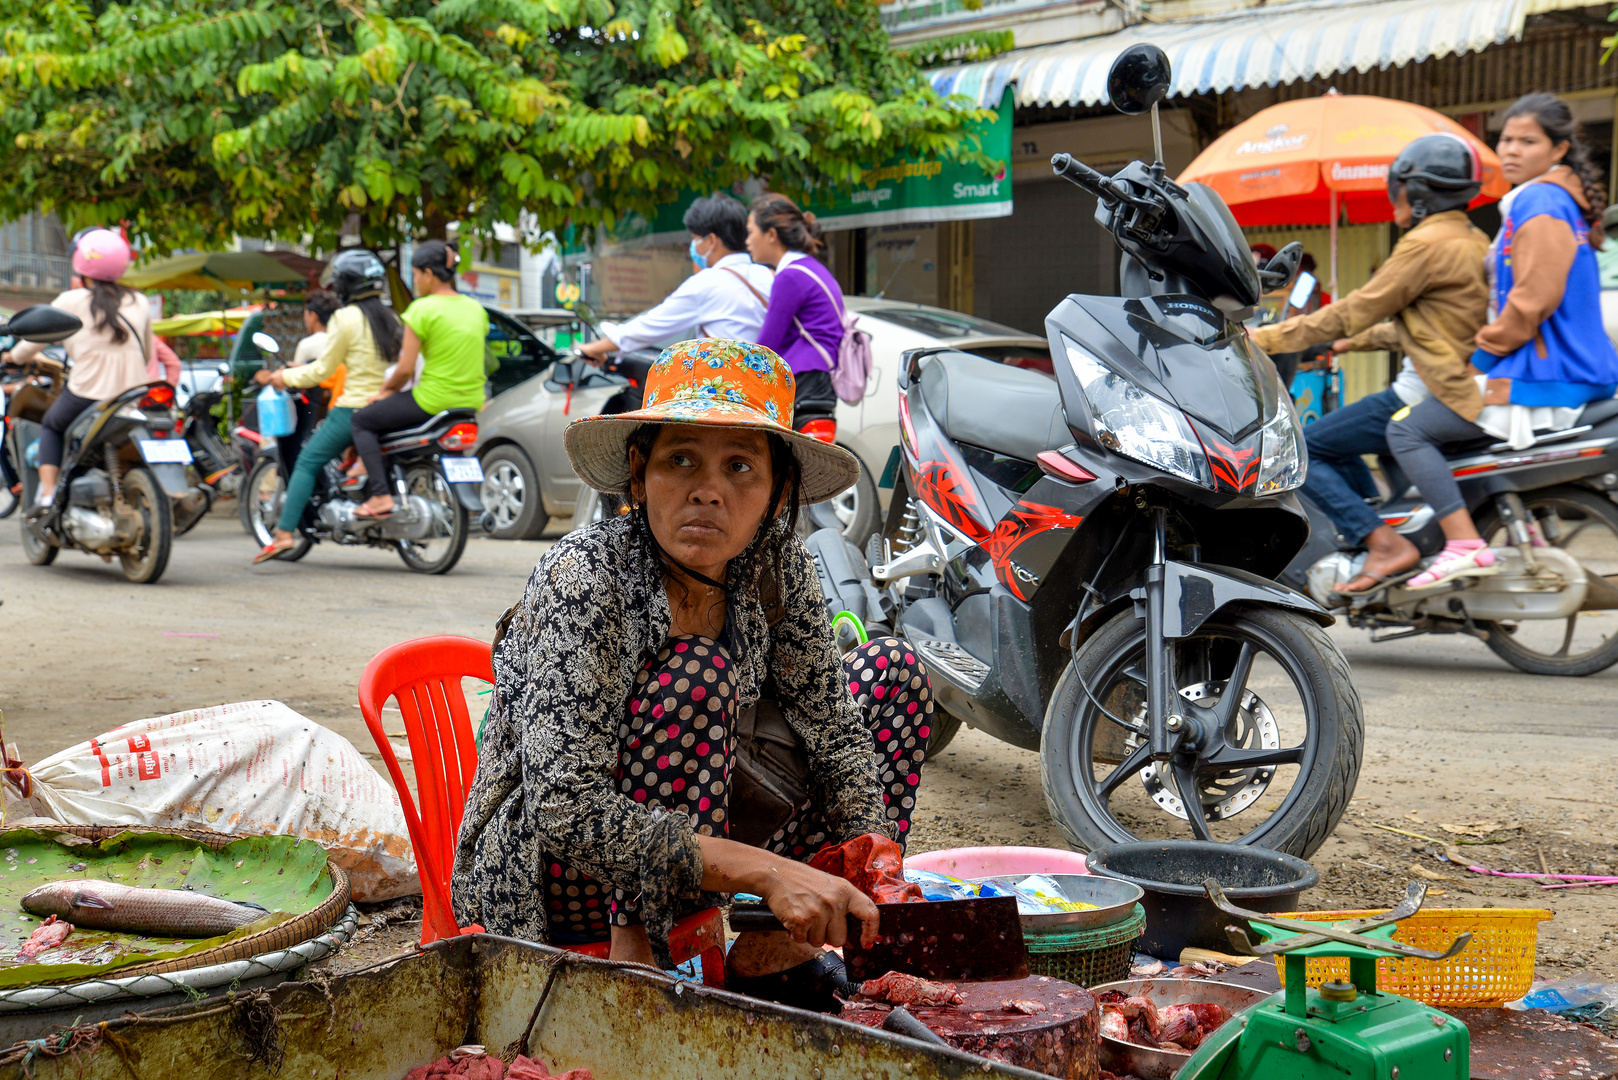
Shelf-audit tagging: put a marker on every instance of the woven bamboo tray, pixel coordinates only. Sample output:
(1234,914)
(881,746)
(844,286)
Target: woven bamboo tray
(280,936)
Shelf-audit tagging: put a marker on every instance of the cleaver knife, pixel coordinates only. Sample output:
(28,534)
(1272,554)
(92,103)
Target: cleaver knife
(977,940)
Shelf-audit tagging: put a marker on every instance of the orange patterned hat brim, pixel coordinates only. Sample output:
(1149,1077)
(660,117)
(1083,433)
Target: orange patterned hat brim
(712,383)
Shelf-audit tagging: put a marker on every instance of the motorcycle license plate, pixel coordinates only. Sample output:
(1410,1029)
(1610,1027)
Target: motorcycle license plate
(165,451)
(462,470)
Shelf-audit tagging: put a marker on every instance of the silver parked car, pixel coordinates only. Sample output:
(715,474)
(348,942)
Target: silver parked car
(528,480)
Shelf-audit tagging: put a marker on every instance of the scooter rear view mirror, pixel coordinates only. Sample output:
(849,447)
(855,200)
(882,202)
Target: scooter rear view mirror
(1138,79)
(42,323)
(1282,268)
(265,343)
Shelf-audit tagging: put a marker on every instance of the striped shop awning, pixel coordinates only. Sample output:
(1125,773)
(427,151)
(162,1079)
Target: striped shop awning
(1266,45)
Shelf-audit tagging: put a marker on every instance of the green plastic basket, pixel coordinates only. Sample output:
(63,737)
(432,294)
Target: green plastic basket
(1086,957)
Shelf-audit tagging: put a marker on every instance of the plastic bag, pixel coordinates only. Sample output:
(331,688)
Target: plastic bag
(872,864)
(254,767)
(1583,994)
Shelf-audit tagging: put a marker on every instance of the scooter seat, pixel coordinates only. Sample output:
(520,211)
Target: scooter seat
(1599,411)
(407,437)
(1005,409)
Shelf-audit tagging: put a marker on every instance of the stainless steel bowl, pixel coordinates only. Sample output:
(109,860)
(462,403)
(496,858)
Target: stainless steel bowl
(1114,901)
(1127,1058)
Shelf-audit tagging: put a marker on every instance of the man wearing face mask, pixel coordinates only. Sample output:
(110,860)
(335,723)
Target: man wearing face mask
(725,298)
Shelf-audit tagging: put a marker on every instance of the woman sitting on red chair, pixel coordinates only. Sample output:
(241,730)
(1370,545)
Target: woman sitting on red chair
(603,796)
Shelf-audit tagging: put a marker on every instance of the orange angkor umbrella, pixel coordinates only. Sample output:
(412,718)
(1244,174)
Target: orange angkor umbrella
(1315,160)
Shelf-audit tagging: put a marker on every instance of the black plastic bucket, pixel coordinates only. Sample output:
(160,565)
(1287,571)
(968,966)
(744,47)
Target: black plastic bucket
(1178,912)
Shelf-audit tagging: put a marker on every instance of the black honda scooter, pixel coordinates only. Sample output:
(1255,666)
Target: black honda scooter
(1084,557)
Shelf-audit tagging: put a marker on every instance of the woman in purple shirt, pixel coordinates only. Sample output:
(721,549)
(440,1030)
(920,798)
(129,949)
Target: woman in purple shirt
(804,322)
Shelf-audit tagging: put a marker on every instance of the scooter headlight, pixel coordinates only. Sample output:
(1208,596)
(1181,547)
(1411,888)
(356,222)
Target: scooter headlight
(1131,422)
(1283,457)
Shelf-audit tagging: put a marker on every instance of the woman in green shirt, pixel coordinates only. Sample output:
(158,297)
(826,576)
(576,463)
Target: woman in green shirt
(448,330)
(364,335)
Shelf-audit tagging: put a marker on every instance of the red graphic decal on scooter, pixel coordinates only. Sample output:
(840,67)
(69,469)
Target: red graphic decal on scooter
(1025,521)
(1232,466)
(941,487)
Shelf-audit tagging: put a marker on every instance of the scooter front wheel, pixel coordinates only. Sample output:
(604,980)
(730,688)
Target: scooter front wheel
(1276,768)
(262,497)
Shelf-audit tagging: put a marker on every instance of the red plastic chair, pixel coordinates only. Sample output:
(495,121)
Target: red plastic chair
(424,676)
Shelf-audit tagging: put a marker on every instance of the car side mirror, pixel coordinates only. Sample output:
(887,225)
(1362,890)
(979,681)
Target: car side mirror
(1282,267)
(42,323)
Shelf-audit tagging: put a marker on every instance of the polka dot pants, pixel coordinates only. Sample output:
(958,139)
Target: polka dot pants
(677,741)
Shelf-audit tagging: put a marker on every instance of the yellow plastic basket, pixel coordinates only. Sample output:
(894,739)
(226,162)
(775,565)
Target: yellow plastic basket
(1497,967)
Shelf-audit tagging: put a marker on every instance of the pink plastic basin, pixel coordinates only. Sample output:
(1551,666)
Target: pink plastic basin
(979,862)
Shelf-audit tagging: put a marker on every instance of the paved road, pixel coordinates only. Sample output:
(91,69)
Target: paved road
(1454,735)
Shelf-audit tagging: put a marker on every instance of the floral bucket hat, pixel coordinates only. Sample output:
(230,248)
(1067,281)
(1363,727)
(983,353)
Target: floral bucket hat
(717,383)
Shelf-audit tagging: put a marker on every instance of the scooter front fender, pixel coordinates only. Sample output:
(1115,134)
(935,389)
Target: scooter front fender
(1192,593)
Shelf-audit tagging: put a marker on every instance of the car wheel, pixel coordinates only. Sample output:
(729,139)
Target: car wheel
(511,495)
(853,513)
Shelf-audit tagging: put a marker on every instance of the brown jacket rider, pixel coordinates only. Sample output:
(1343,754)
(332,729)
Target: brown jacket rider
(1427,302)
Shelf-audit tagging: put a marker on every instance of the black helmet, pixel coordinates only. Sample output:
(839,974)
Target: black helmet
(355,274)
(1436,172)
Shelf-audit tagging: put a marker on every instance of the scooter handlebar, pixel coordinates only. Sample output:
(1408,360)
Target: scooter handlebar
(1077,172)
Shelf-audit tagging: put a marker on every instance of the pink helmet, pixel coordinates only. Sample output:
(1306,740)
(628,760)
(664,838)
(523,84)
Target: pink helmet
(101,254)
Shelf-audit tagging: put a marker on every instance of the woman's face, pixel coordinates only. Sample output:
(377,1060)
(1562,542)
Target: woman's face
(706,491)
(1526,151)
(422,281)
(764,246)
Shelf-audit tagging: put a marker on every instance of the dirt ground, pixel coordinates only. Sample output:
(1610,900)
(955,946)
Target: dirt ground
(1520,767)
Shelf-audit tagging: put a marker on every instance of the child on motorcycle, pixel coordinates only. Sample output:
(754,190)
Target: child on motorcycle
(1427,300)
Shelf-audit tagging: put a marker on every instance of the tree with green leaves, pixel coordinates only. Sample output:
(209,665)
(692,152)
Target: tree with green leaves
(197,120)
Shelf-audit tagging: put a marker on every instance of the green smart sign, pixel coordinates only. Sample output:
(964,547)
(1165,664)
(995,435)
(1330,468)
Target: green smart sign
(909,189)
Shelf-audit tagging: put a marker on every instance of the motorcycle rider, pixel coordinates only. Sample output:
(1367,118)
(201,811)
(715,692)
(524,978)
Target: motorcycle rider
(725,298)
(1426,301)
(364,334)
(109,353)
(447,329)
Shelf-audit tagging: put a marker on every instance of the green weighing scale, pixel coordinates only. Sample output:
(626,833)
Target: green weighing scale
(1341,1030)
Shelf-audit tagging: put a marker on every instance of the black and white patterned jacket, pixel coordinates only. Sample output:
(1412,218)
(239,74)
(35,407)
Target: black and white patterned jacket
(594,611)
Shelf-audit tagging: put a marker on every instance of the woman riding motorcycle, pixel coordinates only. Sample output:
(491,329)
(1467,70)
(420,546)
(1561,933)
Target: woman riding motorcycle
(447,329)
(364,334)
(109,353)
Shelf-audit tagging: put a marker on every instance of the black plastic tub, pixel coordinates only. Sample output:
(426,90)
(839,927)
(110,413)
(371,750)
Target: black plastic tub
(1178,912)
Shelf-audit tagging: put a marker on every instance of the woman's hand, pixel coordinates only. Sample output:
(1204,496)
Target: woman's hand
(814,906)
(277,380)
(379,395)
(262,376)
(1340,346)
